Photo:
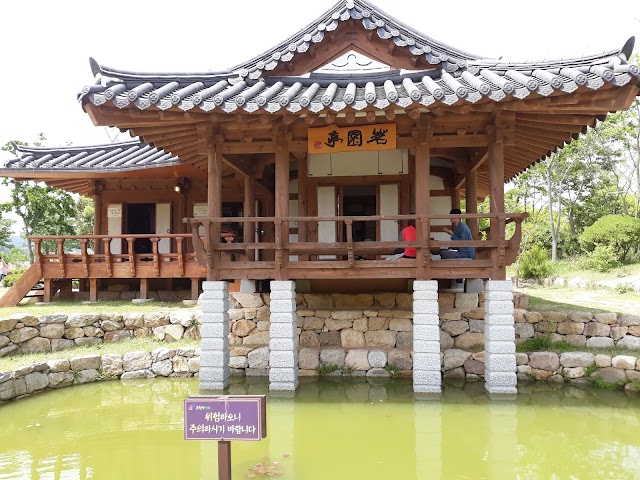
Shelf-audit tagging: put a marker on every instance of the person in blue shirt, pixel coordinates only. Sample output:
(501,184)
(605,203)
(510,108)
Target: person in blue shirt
(460,231)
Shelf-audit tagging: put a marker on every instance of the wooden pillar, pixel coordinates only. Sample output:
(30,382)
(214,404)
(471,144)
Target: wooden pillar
(48,290)
(303,201)
(455,198)
(282,199)
(144,288)
(471,196)
(97,214)
(214,205)
(249,210)
(496,198)
(93,289)
(423,199)
(195,289)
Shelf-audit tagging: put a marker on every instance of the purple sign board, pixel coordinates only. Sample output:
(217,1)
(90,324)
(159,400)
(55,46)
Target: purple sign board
(237,417)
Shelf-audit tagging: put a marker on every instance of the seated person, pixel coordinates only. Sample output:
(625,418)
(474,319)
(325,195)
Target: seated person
(408,234)
(460,231)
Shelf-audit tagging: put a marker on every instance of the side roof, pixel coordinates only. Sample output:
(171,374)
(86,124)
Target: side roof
(112,157)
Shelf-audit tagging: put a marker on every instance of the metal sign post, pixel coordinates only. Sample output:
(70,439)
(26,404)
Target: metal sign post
(225,418)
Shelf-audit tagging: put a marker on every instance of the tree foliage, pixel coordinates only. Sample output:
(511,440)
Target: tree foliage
(619,232)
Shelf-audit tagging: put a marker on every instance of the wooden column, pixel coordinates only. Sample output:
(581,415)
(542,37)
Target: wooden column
(303,201)
(97,214)
(214,204)
(471,197)
(422,198)
(496,198)
(93,290)
(144,288)
(282,199)
(455,198)
(249,210)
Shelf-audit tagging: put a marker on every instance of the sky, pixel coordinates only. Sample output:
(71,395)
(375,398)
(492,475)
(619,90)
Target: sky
(45,45)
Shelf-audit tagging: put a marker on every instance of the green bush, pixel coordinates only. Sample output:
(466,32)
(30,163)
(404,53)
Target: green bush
(13,277)
(601,259)
(535,263)
(620,232)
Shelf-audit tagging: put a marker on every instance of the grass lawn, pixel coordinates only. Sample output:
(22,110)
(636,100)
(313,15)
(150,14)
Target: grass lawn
(548,299)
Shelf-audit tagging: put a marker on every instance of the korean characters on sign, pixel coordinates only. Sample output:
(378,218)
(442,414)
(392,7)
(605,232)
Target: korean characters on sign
(332,139)
(225,418)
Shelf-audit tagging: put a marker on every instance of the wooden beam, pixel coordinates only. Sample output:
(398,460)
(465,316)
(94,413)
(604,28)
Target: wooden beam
(214,203)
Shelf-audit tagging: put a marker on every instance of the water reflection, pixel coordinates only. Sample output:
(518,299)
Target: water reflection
(330,429)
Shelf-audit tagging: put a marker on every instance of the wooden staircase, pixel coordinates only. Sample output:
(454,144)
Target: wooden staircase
(21,288)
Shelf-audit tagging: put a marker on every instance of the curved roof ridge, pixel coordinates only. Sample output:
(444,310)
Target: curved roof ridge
(70,148)
(103,70)
(357,10)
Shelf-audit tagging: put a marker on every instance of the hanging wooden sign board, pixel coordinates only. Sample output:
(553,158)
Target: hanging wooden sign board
(332,139)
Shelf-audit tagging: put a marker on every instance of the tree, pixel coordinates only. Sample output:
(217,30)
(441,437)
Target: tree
(619,232)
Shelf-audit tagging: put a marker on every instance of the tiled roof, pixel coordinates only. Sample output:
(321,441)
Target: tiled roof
(121,156)
(496,81)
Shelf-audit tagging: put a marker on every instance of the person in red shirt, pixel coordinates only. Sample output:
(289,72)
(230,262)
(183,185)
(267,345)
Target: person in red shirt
(408,234)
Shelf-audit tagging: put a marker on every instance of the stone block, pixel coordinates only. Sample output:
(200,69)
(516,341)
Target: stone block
(474,367)
(425,306)
(629,341)
(431,296)
(282,285)
(466,300)
(500,379)
(500,347)
(333,355)
(426,361)
(61,344)
(282,344)
(79,320)
(214,330)
(425,285)
(313,323)
(137,360)
(309,339)
(446,341)
(595,329)
(329,339)
(7,324)
(628,320)
(425,332)
(404,300)
(499,332)
(577,359)
(60,379)
(37,344)
(357,359)
(349,338)
(555,317)
(609,318)
(36,381)
(476,326)
(315,301)
(218,359)
(548,361)
(423,319)
(600,342)
(610,375)
(283,375)
(377,358)
(455,328)
(618,332)
(524,330)
(242,328)
(455,358)
(421,346)
(278,330)
(626,362)
(336,325)
(282,359)
(282,306)
(469,340)
(498,362)
(499,296)
(380,338)
(21,335)
(404,340)
(498,286)
(308,358)
(86,362)
(534,317)
(570,328)
(400,325)
(603,360)
(577,340)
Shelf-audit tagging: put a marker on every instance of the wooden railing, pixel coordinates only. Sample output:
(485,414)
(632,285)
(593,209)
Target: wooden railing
(280,258)
(78,262)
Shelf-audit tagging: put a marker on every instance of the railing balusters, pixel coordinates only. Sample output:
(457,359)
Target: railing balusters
(156,257)
(60,243)
(349,223)
(106,244)
(38,248)
(85,256)
(180,256)
(132,256)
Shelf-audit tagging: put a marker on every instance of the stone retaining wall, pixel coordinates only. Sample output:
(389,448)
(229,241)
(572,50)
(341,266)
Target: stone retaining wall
(161,362)
(581,328)
(573,367)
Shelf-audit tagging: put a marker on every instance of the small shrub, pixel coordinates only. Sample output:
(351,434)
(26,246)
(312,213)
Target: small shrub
(600,383)
(347,370)
(12,278)
(327,368)
(535,263)
(623,288)
(601,259)
(588,371)
(393,370)
(541,343)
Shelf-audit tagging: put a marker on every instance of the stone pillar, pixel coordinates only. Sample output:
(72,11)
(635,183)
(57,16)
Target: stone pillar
(283,343)
(426,337)
(500,345)
(214,356)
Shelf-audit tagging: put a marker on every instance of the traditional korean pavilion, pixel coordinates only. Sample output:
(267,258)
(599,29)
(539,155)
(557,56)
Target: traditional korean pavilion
(301,165)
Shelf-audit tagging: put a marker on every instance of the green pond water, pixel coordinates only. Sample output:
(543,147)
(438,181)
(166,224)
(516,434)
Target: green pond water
(330,430)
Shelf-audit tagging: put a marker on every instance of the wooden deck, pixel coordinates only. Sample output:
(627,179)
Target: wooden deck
(280,259)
